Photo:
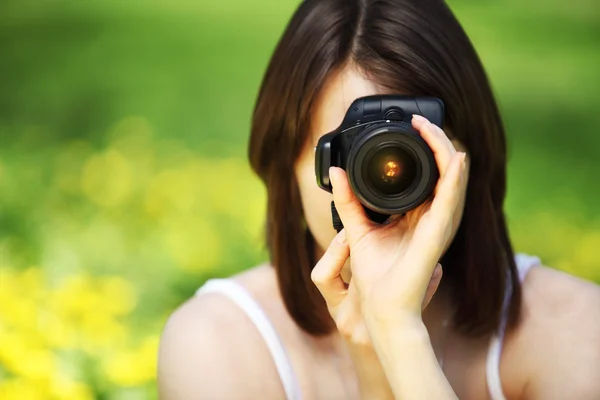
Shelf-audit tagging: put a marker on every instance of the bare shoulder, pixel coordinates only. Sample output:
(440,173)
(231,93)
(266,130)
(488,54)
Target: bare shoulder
(210,349)
(559,338)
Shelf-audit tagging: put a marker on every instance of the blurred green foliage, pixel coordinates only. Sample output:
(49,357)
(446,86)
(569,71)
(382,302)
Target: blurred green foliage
(124,183)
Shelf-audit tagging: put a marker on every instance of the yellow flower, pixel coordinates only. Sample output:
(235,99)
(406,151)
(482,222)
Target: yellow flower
(107,179)
(16,308)
(20,389)
(587,256)
(89,307)
(133,367)
(36,364)
(193,244)
(64,388)
(119,297)
(14,348)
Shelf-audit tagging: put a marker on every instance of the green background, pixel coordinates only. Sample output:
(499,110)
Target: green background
(124,183)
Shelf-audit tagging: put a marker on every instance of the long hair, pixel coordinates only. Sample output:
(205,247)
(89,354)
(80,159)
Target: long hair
(404,46)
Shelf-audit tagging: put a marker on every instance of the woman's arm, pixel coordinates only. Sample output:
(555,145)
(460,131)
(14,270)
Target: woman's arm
(559,340)
(412,369)
(208,350)
(392,269)
(344,305)
(372,380)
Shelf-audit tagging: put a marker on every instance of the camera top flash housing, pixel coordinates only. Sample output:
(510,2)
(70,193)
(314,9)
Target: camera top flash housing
(391,169)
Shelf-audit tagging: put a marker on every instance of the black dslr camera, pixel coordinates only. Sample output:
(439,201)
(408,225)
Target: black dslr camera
(391,169)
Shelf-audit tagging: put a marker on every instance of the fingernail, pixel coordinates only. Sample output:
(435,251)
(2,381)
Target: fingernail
(419,118)
(341,237)
(437,271)
(331,175)
(463,167)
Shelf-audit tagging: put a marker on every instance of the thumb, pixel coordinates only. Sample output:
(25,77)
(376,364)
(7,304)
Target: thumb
(434,283)
(326,275)
(355,220)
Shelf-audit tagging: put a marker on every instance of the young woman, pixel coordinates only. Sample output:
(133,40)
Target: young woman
(432,305)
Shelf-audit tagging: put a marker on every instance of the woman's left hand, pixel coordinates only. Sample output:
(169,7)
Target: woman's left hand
(392,264)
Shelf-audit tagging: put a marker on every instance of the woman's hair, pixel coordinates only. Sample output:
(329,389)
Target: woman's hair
(414,47)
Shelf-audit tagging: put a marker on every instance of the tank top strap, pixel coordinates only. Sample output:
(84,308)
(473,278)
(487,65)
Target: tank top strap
(242,298)
(524,264)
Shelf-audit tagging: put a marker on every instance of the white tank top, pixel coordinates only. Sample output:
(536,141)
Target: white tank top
(240,296)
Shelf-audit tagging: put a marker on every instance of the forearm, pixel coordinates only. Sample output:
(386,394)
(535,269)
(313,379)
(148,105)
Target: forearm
(372,380)
(409,362)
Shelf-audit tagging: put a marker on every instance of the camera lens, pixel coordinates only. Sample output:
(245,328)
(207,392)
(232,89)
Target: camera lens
(390,170)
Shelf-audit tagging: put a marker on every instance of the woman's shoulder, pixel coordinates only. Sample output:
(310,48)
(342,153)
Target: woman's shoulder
(208,343)
(557,343)
(566,304)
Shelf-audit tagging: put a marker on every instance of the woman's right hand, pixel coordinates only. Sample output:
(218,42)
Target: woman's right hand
(342,300)
(344,306)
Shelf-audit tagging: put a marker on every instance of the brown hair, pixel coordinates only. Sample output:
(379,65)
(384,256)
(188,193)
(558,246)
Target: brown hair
(404,46)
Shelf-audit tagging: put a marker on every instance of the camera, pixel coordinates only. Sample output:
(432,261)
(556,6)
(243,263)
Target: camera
(391,169)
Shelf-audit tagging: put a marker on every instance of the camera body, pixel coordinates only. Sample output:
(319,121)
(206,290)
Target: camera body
(391,169)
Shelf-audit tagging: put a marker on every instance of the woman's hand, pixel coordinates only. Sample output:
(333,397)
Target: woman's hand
(342,300)
(393,264)
(344,306)
(377,250)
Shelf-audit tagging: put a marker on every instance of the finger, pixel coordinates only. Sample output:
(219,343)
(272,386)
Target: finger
(434,229)
(435,137)
(446,201)
(413,216)
(434,283)
(355,220)
(349,320)
(326,275)
(438,141)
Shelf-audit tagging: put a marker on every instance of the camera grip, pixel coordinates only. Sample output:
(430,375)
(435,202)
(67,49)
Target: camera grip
(335,218)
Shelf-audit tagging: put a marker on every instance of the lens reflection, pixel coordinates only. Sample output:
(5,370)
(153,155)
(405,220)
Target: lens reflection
(390,170)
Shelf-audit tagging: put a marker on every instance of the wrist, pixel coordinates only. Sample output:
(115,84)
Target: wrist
(404,338)
(407,324)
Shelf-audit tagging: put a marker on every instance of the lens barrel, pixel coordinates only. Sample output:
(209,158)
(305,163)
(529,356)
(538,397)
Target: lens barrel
(390,168)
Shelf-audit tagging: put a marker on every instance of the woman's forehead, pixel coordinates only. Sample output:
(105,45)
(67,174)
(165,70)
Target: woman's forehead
(336,96)
(338,93)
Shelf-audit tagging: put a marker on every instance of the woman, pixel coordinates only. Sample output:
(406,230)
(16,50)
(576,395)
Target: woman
(366,313)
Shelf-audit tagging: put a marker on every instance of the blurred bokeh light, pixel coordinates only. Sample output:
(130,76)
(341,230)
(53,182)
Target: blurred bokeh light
(124,183)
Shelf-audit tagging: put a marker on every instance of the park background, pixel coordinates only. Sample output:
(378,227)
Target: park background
(124,183)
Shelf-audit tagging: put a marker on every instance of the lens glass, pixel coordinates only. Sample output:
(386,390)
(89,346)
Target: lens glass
(390,170)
